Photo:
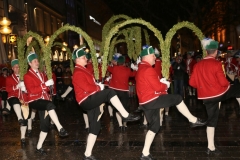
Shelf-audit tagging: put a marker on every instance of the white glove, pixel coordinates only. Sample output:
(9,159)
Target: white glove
(163,80)
(138,60)
(21,83)
(49,82)
(236,68)
(108,78)
(134,67)
(23,88)
(18,86)
(100,85)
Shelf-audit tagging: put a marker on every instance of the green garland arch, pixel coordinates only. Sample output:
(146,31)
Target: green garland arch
(147,41)
(85,36)
(109,25)
(172,32)
(115,29)
(180,25)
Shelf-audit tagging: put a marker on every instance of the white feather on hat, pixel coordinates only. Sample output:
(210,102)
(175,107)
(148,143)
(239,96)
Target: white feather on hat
(156,51)
(118,54)
(205,42)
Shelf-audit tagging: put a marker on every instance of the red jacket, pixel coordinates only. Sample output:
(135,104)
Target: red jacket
(36,87)
(120,76)
(84,83)
(11,87)
(209,79)
(158,67)
(148,84)
(3,83)
(189,65)
(89,67)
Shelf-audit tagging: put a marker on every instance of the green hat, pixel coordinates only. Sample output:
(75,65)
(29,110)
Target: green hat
(208,44)
(14,62)
(31,57)
(147,51)
(121,59)
(88,55)
(78,53)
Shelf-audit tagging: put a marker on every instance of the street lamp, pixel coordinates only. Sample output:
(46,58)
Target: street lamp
(5,21)
(5,30)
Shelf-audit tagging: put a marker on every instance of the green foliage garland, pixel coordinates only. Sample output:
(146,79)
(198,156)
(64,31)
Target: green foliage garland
(115,29)
(85,36)
(169,35)
(147,41)
(109,25)
(138,41)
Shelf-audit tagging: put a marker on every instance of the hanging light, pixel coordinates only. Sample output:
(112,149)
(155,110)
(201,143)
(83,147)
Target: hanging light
(46,39)
(75,46)
(5,30)
(65,44)
(5,21)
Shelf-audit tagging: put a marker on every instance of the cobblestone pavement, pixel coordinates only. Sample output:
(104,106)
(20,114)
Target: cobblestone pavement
(175,140)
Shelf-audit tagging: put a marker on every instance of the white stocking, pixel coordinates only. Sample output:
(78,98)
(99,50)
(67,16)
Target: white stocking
(182,108)
(148,141)
(90,143)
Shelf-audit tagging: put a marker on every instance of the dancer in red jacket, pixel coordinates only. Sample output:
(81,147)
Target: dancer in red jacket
(37,87)
(119,83)
(17,96)
(212,87)
(152,95)
(90,96)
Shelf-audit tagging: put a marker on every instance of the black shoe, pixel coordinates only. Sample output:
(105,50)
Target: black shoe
(87,130)
(41,151)
(89,158)
(22,122)
(63,133)
(214,152)
(5,111)
(23,142)
(149,157)
(29,133)
(130,118)
(199,122)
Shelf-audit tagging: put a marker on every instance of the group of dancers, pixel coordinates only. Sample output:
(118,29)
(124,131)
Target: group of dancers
(33,94)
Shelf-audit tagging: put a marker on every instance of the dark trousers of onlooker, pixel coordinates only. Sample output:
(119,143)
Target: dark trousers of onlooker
(178,87)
